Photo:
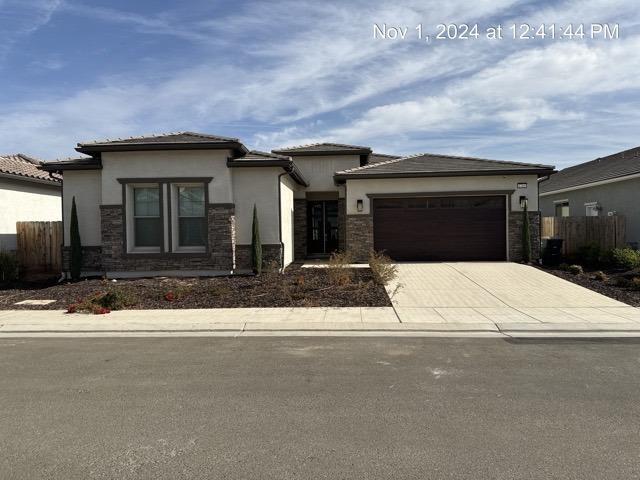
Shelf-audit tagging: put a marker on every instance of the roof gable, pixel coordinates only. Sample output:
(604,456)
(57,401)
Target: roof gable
(614,166)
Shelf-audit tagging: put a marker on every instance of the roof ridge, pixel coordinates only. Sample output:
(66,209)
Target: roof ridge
(598,159)
(22,157)
(157,135)
(315,144)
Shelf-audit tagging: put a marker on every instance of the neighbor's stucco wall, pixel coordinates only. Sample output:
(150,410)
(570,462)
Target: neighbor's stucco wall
(22,201)
(86,186)
(287,190)
(359,189)
(164,164)
(620,197)
(257,186)
(319,170)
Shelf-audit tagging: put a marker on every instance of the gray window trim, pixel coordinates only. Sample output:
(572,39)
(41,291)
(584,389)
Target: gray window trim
(163,182)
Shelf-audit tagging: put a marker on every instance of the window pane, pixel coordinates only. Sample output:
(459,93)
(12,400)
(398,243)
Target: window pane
(192,232)
(148,232)
(191,201)
(146,202)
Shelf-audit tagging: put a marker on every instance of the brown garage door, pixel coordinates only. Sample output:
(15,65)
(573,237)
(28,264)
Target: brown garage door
(441,228)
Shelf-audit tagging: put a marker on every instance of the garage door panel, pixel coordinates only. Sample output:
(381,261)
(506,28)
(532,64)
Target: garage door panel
(442,228)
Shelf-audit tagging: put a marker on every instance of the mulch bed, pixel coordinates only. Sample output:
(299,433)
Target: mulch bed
(297,287)
(625,294)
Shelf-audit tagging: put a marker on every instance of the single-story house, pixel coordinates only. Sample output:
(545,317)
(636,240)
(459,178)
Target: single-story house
(604,186)
(182,203)
(26,194)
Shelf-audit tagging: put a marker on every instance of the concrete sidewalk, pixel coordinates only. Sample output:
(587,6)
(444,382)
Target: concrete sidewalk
(487,321)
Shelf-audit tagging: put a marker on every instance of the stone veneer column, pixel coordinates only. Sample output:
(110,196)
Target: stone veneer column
(515,235)
(222,236)
(299,229)
(359,236)
(112,231)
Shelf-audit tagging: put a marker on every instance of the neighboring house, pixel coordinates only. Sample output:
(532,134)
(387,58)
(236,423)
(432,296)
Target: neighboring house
(182,204)
(26,194)
(604,186)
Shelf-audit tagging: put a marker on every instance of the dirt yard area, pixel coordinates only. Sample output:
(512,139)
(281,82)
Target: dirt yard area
(297,287)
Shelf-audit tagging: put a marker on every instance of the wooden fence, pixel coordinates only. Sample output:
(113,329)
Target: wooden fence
(39,246)
(607,232)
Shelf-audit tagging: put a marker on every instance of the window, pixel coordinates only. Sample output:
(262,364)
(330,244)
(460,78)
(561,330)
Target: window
(191,216)
(592,209)
(562,209)
(147,224)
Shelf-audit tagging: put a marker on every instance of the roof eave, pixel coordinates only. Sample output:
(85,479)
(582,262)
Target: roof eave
(60,167)
(338,177)
(24,178)
(99,148)
(288,165)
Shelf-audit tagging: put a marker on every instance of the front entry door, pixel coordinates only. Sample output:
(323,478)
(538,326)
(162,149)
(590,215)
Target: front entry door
(322,225)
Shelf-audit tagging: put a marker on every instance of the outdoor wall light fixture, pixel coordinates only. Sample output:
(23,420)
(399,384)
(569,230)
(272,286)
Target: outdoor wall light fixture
(359,205)
(523,201)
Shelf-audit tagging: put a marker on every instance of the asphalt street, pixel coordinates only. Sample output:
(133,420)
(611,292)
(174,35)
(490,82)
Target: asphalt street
(306,408)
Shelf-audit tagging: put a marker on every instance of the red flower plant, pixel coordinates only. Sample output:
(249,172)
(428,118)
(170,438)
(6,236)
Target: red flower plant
(170,296)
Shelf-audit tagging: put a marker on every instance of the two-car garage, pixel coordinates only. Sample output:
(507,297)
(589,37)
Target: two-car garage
(441,228)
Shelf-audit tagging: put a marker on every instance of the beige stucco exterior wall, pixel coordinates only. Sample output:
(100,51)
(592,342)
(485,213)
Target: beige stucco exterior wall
(167,163)
(257,186)
(319,170)
(86,186)
(23,202)
(359,189)
(287,193)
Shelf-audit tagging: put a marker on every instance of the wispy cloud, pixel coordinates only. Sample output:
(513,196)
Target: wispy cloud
(21,18)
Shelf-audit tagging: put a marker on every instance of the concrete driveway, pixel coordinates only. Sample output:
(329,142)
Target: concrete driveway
(504,294)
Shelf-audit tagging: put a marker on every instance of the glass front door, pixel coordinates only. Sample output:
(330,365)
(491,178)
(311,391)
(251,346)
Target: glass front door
(322,224)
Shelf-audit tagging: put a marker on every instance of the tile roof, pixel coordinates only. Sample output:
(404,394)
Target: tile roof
(323,148)
(22,165)
(173,137)
(427,164)
(381,157)
(613,166)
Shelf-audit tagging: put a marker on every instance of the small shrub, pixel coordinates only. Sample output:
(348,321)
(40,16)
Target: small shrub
(600,276)
(564,267)
(590,254)
(8,267)
(339,270)
(116,298)
(384,271)
(177,293)
(626,258)
(220,289)
(575,269)
(635,283)
(102,303)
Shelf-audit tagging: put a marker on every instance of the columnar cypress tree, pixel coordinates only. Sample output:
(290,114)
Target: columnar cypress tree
(526,235)
(256,245)
(76,245)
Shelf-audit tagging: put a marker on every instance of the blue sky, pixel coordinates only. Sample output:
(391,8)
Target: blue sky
(281,73)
